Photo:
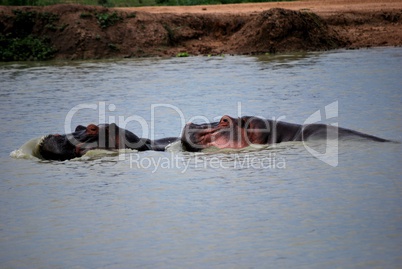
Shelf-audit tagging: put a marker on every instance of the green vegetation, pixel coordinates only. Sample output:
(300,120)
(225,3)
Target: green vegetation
(21,45)
(25,48)
(108,19)
(182,54)
(126,3)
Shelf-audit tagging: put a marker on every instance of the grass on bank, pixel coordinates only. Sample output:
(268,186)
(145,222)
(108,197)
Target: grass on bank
(128,3)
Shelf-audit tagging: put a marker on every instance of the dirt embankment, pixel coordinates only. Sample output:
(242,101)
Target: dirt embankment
(85,32)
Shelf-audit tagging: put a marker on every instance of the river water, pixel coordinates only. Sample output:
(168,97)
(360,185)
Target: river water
(285,206)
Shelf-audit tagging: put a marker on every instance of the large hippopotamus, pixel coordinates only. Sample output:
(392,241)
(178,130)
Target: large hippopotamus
(241,132)
(102,136)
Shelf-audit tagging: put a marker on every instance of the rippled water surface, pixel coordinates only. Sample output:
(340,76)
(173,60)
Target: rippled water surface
(277,207)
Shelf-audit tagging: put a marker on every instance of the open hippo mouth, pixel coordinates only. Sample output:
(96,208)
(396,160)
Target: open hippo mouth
(227,133)
(196,137)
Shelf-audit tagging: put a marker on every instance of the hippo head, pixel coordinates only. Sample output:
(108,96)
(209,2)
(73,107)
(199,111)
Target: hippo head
(65,147)
(102,136)
(235,133)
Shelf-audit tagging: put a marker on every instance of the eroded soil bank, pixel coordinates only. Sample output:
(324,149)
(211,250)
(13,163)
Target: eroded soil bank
(87,32)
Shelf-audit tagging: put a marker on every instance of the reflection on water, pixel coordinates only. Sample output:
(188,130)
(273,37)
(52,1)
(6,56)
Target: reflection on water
(277,205)
(282,61)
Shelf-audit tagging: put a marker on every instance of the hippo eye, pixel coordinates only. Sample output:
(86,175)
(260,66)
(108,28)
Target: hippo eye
(225,121)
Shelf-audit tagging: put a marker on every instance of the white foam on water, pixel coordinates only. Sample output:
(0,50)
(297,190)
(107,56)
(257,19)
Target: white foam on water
(29,150)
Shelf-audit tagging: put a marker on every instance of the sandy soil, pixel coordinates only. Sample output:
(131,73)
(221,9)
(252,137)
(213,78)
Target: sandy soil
(320,7)
(358,21)
(230,29)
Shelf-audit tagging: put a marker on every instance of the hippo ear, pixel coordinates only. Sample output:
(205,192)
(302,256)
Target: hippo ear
(80,128)
(113,126)
(115,130)
(242,122)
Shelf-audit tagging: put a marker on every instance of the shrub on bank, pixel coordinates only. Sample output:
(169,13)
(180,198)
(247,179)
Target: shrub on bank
(27,48)
(21,44)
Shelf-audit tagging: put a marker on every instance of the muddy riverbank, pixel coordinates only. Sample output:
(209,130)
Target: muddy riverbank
(88,32)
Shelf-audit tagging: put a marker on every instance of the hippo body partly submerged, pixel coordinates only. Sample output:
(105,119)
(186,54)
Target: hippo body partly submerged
(245,131)
(102,136)
(229,132)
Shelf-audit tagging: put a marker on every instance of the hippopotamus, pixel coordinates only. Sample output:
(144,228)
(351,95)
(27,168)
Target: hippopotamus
(102,136)
(242,132)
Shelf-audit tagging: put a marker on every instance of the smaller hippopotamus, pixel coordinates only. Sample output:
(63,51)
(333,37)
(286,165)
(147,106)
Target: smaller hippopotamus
(102,136)
(242,132)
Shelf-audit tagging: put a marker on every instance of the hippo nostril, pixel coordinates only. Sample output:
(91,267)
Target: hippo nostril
(92,129)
